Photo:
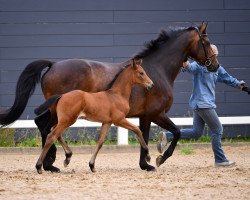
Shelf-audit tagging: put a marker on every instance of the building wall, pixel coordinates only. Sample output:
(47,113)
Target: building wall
(113,31)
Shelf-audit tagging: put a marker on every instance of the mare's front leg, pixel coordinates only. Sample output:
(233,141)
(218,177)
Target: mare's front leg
(126,124)
(101,139)
(164,122)
(67,150)
(145,127)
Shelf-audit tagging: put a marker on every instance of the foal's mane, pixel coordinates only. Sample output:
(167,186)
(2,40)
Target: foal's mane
(116,76)
(164,37)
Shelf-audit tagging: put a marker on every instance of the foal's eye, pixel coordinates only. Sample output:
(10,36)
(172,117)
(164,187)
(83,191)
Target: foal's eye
(141,73)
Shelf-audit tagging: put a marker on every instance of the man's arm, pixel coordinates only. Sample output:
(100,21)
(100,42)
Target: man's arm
(190,67)
(224,77)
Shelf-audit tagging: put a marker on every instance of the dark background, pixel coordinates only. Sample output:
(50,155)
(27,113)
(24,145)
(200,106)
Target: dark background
(113,31)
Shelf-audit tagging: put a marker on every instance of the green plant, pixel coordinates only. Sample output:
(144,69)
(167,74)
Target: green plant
(187,150)
(204,139)
(31,142)
(7,137)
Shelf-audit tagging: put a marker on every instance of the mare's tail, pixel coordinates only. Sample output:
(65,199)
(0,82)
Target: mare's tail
(47,104)
(25,87)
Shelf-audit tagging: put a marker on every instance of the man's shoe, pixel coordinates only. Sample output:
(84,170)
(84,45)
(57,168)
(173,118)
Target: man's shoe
(51,168)
(162,141)
(225,164)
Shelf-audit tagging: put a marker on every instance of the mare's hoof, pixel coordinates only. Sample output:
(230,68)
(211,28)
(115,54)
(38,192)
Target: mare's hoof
(51,168)
(148,168)
(92,167)
(159,160)
(148,158)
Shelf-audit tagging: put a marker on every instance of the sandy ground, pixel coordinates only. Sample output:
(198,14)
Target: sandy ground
(118,177)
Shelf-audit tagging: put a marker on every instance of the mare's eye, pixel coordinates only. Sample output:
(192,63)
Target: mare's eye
(141,73)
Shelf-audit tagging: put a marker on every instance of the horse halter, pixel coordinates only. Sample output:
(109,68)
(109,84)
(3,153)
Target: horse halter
(208,61)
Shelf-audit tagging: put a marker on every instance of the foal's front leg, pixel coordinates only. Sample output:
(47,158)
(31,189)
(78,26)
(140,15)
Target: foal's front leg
(101,139)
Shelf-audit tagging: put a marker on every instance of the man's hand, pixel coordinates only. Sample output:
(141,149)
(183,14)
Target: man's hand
(185,64)
(246,89)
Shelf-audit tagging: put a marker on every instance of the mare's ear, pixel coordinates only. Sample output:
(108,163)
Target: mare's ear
(203,28)
(139,62)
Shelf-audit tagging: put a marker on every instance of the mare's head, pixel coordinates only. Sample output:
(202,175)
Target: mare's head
(200,48)
(139,74)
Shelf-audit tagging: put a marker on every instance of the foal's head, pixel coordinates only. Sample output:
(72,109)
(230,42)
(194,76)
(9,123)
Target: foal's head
(139,75)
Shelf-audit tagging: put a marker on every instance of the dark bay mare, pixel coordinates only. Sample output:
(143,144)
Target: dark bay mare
(162,59)
(108,107)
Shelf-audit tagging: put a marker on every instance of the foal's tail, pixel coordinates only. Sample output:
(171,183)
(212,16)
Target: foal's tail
(25,87)
(47,104)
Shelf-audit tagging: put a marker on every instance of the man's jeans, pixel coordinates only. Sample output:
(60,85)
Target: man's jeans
(200,118)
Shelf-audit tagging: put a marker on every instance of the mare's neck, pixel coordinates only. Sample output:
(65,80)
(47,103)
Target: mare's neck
(123,84)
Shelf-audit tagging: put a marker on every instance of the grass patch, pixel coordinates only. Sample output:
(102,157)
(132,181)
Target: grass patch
(187,150)
(7,137)
(31,138)
(30,142)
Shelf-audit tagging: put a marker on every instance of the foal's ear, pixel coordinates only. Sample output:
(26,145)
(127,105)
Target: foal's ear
(133,63)
(139,62)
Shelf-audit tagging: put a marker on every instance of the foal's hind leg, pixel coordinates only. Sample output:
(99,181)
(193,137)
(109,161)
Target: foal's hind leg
(51,138)
(101,139)
(126,124)
(67,150)
(49,141)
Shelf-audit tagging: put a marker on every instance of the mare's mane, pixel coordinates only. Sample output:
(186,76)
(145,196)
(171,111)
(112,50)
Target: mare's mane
(164,37)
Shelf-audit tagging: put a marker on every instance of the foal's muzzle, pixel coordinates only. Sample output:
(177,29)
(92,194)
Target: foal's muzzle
(149,86)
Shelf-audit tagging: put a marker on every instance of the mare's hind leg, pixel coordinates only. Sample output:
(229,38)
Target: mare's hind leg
(101,139)
(164,122)
(67,150)
(126,124)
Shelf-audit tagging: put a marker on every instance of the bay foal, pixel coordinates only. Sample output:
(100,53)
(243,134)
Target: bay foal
(107,107)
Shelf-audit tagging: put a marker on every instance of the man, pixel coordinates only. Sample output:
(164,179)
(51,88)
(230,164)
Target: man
(202,102)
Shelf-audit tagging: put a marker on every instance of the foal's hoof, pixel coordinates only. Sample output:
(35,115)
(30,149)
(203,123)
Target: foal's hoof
(148,158)
(159,160)
(66,162)
(67,159)
(92,167)
(39,169)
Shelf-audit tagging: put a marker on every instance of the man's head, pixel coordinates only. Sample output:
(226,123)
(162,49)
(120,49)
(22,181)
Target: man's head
(215,49)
